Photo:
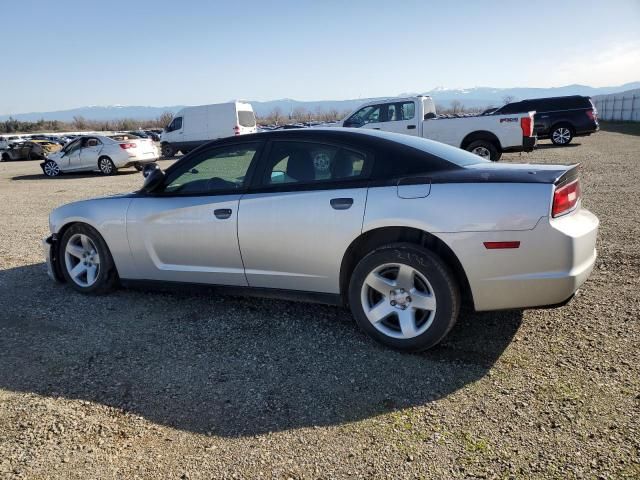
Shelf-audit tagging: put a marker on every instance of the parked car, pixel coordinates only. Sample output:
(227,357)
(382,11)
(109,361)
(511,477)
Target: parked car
(440,225)
(105,154)
(487,136)
(194,126)
(558,118)
(30,150)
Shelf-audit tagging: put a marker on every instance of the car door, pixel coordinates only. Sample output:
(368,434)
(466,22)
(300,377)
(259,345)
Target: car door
(70,160)
(90,152)
(304,209)
(187,231)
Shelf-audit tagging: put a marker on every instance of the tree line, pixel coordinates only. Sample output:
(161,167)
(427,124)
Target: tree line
(80,123)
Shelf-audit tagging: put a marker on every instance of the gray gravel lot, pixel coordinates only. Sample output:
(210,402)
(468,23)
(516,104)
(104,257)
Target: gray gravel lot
(149,384)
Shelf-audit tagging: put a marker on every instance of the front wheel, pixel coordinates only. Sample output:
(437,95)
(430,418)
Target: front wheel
(51,168)
(106,166)
(561,135)
(85,259)
(168,151)
(404,296)
(484,149)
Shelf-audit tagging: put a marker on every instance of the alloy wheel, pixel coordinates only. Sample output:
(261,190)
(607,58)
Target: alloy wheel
(482,152)
(82,260)
(398,300)
(561,135)
(51,169)
(105,166)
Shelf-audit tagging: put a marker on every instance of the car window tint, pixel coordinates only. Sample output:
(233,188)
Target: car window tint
(306,162)
(219,169)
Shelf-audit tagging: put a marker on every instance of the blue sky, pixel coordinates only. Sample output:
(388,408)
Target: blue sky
(77,53)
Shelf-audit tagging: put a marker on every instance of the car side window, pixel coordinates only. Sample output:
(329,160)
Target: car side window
(408,110)
(370,114)
(216,170)
(176,124)
(74,147)
(307,162)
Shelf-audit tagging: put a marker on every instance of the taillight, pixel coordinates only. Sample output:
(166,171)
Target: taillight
(527,126)
(565,198)
(236,130)
(126,146)
(592,115)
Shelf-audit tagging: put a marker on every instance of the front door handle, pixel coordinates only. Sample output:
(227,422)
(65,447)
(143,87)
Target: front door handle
(411,127)
(222,213)
(375,128)
(341,203)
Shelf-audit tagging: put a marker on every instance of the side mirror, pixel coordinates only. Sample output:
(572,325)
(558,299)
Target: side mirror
(153,177)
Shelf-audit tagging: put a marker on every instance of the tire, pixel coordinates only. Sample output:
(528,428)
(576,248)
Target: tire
(168,151)
(85,260)
(561,135)
(106,166)
(5,157)
(484,149)
(139,167)
(51,169)
(393,316)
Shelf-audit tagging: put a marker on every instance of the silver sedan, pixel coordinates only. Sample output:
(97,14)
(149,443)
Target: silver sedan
(401,229)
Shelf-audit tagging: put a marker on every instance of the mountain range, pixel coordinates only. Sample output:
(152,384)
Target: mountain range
(469,97)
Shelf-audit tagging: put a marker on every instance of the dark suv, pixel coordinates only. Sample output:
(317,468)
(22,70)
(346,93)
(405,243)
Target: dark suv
(558,118)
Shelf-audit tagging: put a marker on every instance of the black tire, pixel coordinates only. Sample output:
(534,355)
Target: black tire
(106,166)
(5,157)
(478,146)
(442,283)
(107,276)
(51,169)
(139,167)
(561,134)
(168,151)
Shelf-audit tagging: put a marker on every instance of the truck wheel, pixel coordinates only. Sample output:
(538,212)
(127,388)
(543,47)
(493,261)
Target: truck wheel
(484,149)
(168,151)
(561,135)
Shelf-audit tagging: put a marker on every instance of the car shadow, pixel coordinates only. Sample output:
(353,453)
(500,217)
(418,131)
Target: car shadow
(229,366)
(543,146)
(73,175)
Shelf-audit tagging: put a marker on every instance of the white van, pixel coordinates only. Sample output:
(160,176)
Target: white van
(193,126)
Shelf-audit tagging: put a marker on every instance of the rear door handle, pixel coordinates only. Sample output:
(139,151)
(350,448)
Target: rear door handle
(222,213)
(341,203)
(410,127)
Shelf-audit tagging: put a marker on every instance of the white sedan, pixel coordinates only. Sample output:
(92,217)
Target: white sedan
(105,154)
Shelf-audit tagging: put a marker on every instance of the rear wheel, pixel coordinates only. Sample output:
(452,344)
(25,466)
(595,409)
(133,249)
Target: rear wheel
(51,168)
(106,166)
(5,157)
(561,135)
(484,149)
(404,296)
(86,262)
(168,151)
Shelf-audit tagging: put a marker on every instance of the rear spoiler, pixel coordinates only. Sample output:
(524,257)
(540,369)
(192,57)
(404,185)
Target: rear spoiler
(568,176)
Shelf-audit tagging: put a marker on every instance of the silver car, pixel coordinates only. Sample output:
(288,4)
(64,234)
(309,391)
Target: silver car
(401,229)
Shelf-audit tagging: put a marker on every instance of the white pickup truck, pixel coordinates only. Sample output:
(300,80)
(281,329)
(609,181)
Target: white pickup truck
(484,135)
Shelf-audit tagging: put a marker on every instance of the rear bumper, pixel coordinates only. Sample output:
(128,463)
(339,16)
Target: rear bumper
(528,144)
(553,261)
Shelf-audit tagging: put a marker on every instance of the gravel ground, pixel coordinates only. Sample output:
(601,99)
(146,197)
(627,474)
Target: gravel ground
(143,384)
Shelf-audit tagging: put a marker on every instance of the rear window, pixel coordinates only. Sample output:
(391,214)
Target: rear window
(124,136)
(246,118)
